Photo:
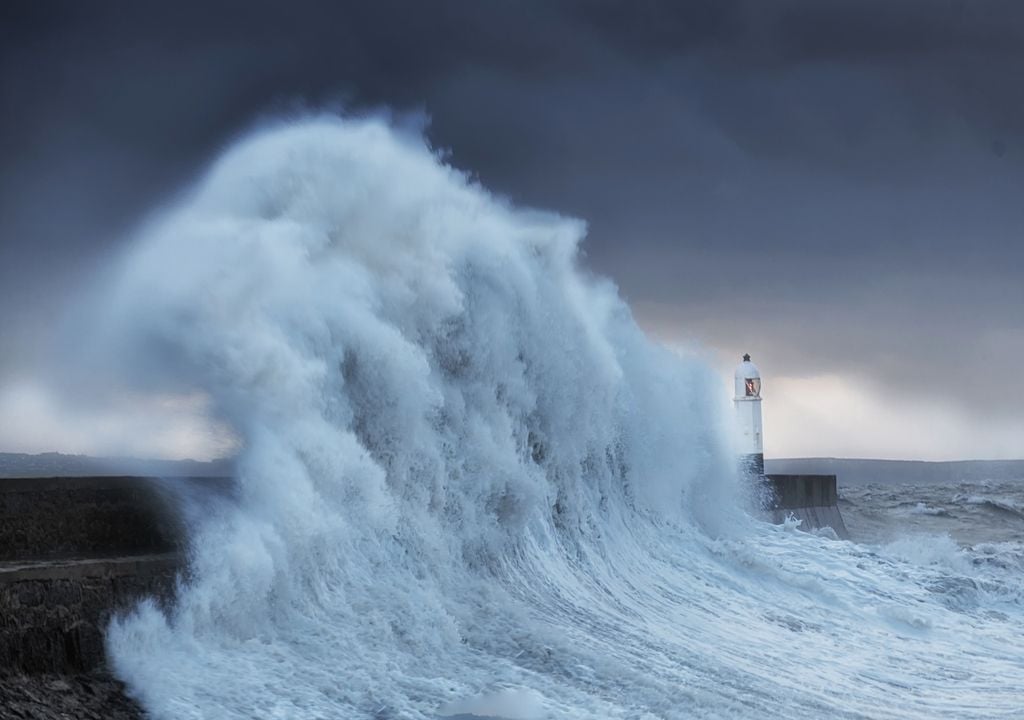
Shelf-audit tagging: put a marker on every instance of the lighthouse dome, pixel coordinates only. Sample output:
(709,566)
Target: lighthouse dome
(748,380)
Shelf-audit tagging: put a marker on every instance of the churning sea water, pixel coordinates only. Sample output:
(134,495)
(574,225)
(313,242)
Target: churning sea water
(469,485)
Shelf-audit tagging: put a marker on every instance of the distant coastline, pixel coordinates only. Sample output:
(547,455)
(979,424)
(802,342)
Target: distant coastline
(856,471)
(54,464)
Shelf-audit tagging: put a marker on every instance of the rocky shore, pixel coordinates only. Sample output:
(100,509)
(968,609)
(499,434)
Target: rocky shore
(86,696)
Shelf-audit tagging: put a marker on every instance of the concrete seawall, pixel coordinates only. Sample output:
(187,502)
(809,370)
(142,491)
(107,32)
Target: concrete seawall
(812,499)
(75,550)
(86,517)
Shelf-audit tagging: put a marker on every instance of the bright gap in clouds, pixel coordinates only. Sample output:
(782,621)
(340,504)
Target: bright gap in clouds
(821,416)
(846,416)
(836,416)
(160,427)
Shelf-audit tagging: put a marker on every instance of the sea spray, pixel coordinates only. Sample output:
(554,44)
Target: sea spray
(469,483)
(422,377)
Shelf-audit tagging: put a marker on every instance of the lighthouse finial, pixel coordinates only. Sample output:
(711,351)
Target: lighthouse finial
(746,357)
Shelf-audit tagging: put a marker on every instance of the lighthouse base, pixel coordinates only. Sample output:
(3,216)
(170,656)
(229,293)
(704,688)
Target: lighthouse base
(812,499)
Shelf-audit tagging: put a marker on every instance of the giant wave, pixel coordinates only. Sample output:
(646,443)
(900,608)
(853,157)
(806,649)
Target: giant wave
(469,484)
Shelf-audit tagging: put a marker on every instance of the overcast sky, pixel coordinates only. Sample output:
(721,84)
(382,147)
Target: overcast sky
(835,187)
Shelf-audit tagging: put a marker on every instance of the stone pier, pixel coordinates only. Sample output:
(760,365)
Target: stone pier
(73,551)
(812,499)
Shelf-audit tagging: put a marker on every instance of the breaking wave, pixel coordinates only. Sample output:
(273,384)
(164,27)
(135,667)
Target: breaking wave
(993,504)
(924,509)
(468,483)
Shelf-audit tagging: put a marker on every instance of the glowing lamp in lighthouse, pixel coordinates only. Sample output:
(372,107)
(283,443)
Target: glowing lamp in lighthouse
(747,401)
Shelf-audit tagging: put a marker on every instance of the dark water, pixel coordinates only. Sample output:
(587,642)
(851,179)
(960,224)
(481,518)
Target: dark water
(971,512)
(983,518)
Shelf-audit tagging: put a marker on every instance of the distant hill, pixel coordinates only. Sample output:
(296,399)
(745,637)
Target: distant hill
(14,465)
(895,472)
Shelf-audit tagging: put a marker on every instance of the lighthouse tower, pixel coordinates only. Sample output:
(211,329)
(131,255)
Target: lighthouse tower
(748,416)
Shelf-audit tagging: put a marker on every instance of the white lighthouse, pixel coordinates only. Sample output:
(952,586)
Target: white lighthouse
(748,416)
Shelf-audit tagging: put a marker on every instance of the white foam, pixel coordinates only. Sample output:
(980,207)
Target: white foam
(509,704)
(924,509)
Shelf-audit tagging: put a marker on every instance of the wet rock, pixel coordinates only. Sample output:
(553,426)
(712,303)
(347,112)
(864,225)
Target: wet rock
(52,613)
(59,697)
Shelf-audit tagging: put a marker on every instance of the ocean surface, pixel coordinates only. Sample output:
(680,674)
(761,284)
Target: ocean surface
(982,522)
(471,486)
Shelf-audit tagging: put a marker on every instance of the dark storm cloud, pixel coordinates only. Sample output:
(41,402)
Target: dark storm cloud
(836,185)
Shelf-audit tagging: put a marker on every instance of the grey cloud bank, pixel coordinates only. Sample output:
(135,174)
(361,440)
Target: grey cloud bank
(836,187)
